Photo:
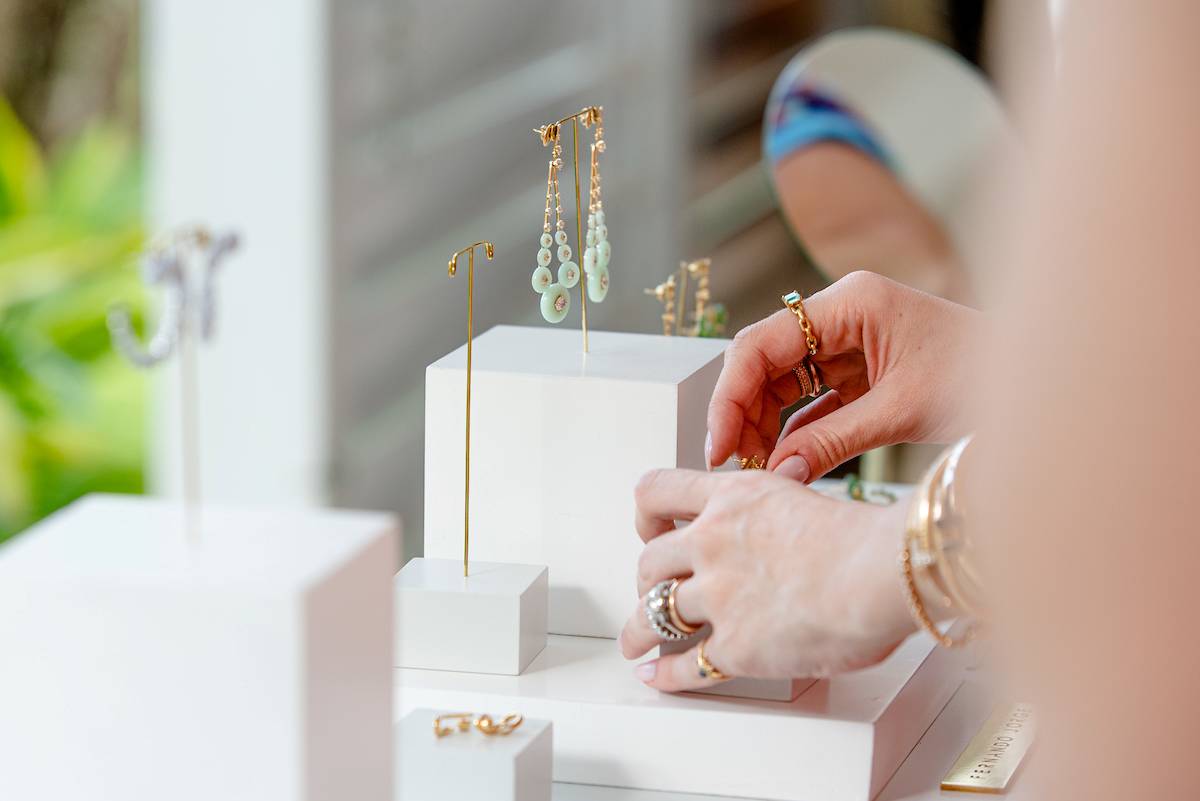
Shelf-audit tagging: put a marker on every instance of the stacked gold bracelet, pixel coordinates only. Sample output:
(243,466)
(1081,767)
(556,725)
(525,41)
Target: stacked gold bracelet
(936,557)
(806,371)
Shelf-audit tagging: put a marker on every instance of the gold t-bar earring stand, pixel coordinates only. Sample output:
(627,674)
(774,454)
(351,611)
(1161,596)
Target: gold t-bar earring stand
(489,250)
(590,115)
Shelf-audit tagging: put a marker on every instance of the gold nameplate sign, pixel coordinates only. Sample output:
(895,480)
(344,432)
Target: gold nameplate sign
(992,757)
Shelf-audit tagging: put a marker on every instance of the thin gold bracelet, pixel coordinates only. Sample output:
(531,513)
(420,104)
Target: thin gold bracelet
(932,506)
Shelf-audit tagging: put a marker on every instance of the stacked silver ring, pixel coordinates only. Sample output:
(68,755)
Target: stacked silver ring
(658,611)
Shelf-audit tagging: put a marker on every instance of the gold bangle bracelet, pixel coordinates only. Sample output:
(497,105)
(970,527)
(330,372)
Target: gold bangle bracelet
(936,552)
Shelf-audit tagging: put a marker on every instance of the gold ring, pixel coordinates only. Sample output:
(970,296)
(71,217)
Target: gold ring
(673,614)
(805,381)
(752,462)
(706,669)
(795,303)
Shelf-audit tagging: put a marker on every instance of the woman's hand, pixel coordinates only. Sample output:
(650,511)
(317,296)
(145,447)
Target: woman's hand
(793,583)
(893,358)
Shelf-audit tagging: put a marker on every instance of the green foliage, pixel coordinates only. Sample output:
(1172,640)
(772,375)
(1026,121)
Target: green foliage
(72,413)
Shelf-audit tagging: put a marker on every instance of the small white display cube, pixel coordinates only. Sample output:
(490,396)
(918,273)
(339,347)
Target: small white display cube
(464,765)
(559,440)
(255,663)
(492,621)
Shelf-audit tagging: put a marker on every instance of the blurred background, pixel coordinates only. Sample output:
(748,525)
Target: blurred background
(354,145)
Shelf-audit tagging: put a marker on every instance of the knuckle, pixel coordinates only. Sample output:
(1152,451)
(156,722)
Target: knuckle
(646,484)
(830,447)
(645,566)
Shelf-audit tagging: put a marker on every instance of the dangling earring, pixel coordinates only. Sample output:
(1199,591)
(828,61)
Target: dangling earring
(598,253)
(556,300)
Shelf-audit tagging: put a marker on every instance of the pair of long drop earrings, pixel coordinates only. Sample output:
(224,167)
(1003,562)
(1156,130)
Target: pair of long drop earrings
(556,300)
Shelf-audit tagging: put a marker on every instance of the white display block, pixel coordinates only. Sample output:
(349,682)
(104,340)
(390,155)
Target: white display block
(469,765)
(492,621)
(253,664)
(559,440)
(764,689)
(839,741)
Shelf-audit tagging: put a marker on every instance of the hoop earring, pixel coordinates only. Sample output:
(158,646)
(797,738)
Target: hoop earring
(556,300)
(599,251)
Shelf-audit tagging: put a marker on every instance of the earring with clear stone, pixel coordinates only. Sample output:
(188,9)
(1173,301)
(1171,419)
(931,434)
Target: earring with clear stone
(599,251)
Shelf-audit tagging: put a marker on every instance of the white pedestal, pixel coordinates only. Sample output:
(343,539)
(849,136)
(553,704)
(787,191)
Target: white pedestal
(492,621)
(763,689)
(839,741)
(559,441)
(132,660)
(466,765)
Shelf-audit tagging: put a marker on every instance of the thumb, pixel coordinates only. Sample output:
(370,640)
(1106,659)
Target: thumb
(812,450)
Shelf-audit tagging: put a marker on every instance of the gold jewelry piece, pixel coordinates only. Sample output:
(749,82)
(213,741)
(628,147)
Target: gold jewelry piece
(665,294)
(483,723)
(753,462)
(706,669)
(795,303)
(936,550)
(805,381)
(673,614)
(464,723)
(917,609)
(486,725)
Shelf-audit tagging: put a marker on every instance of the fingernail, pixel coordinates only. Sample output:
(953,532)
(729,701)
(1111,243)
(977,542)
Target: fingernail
(793,467)
(708,450)
(645,671)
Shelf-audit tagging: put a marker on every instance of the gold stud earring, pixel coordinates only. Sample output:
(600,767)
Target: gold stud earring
(665,294)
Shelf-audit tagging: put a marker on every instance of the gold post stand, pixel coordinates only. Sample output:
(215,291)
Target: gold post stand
(452,267)
(549,133)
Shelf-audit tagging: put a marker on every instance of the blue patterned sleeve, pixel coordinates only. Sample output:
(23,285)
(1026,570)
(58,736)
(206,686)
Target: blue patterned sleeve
(799,114)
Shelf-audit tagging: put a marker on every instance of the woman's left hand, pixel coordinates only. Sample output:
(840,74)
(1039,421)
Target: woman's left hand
(794,584)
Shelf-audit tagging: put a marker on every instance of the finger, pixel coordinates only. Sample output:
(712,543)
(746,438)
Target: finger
(814,449)
(663,558)
(637,637)
(811,412)
(678,672)
(750,359)
(769,345)
(664,496)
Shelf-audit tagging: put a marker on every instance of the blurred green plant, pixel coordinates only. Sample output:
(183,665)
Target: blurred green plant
(72,413)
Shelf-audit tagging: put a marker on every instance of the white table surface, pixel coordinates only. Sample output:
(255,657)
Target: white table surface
(916,780)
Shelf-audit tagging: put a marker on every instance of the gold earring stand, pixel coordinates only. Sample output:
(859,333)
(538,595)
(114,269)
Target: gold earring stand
(590,115)
(452,267)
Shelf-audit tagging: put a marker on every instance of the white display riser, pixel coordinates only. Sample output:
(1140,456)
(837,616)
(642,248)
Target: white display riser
(492,621)
(559,439)
(839,741)
(916,780)
(471,765)
(249,664)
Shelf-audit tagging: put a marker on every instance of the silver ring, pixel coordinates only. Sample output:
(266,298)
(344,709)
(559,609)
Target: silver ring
(658,612)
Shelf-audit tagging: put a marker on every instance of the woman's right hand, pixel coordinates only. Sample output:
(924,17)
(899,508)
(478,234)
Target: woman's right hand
(894,359)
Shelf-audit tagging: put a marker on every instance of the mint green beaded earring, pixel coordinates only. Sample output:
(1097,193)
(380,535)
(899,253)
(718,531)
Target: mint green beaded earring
(599,251)
(556,300)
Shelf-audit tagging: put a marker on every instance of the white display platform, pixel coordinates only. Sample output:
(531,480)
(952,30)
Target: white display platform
(839,741)
(559,440)
(492,621)
(470,765)
(253,665)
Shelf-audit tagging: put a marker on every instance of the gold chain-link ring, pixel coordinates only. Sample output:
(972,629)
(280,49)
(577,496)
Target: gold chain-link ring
(795,303)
